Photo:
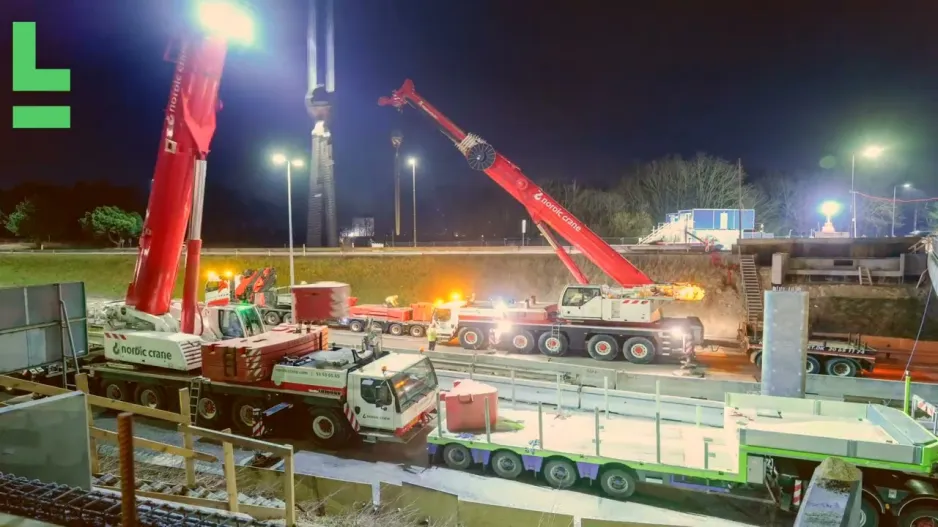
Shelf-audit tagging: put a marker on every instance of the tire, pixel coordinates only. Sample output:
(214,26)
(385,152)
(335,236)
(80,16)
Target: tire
(507,464)
(639,350)
(272,318)
(560,473)
(150,396)
(869,512)
(910,517)
(472,339)
(241,419)
(328,428)
(812,366)
(417,331)
(841,368)
(522,342)
(553,346)
(116,391)
(457,457)
(356,325)
(617,483)
(210,411)
(396,329)
(287,318)
(756,358)
(603,347)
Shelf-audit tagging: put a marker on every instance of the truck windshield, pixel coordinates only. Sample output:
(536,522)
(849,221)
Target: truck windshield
(413,383)
(252,322)
(441,315)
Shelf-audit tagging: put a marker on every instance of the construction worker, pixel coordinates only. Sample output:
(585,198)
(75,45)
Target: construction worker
(431,337)
(391,301)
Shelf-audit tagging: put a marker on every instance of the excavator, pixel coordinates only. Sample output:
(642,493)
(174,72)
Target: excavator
(148,322)
(601,319)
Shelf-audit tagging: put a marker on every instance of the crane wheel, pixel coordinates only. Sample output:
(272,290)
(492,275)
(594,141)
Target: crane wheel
(472,339)
(210,411)
(396,329)
(841,368)
(272,318)
(242,414)
(417,331)
(329,428)
(116,390)
(150,396)
(603,347)
(523,342)
(481,156)
(639,350)
(553,345)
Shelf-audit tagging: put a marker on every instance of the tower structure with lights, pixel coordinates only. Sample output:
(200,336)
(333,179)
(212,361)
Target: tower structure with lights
(397,138)
(322,223)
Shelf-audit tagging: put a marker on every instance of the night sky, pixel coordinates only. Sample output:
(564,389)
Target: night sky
(565,90)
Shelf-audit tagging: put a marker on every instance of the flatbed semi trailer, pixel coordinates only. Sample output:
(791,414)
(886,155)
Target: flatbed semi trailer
(767,449)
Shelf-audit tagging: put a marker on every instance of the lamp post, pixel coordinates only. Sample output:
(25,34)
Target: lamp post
(871,152)
(894,188)
(280,159)
(829,209)
(413,165)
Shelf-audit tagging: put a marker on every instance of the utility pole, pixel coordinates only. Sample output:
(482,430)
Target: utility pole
(739,220)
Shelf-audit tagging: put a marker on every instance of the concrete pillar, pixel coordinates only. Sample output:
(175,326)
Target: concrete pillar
(785,343)
(833,497)
(779,268)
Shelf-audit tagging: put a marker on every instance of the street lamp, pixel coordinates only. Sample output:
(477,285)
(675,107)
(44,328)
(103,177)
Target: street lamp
(412,161)
(281,159)
(829,209)
(226,19)
(870,152)
(894,187)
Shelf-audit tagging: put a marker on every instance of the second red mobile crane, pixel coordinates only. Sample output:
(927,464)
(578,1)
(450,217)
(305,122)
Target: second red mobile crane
(600,319)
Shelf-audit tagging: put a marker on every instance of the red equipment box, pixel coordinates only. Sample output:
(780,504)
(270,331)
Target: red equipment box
(321,301)
(252,359)
(465,406)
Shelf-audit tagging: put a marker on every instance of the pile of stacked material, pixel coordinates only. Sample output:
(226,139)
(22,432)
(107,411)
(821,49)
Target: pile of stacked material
(252,359)
(321,301)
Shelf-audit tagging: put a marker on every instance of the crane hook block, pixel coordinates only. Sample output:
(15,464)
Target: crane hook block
(481,156)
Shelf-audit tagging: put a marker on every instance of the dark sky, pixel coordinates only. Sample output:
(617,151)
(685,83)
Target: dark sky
(565,90)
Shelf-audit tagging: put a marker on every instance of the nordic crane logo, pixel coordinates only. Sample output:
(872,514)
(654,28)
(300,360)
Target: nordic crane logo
(556,209)
(28,78)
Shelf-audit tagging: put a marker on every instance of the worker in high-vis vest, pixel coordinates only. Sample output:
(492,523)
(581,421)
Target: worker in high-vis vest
(391,301)
(431,337)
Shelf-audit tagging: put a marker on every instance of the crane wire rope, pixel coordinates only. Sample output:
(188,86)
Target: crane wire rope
(918,335)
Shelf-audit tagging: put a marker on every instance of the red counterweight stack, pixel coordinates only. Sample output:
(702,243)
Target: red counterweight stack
(465,406)
(252,359)
(321,301)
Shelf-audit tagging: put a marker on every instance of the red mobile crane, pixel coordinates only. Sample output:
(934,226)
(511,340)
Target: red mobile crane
(596,318)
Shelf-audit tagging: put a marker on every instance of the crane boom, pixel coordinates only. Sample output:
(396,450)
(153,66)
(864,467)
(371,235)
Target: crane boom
(545,211)
(187,132)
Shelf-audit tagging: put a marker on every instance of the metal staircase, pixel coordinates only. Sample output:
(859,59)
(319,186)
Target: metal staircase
(864,275)
(752,289)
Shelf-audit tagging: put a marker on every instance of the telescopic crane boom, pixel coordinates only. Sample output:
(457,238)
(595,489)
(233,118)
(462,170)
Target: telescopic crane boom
(545,211)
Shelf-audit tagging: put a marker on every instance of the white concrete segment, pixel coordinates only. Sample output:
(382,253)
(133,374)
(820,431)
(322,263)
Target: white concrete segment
(785,343)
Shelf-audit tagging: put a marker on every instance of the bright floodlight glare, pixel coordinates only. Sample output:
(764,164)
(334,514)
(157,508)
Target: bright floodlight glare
(412,161)
(279,159)
(227,20)
(830,208)
(873,151)
(297,162)
(906,185)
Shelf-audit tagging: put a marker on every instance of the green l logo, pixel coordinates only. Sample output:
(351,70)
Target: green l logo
(28,78)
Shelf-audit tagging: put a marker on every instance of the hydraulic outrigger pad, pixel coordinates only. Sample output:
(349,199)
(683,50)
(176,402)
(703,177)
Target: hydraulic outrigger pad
(481,156)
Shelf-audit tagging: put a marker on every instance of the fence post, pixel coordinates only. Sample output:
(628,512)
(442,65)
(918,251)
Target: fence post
(606,395)
(514,402)
(231,481)
(658,421)
(187,441)
(81,382)
(488,423)
(559,396)
(540,425)
(289,489)
(597,427)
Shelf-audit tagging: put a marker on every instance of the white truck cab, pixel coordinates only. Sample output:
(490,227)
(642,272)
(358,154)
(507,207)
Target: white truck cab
(600,302)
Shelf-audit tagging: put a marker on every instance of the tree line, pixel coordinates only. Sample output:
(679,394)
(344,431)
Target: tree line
(784,204)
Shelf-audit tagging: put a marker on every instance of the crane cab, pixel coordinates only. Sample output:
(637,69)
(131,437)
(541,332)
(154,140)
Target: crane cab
(601,303)
(230,322)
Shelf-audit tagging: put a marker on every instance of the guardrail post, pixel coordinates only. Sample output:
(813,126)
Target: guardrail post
(187,441)
(597,428)
(699,415)
(488,423)
(658,421)
(706,453)
(231,482)
(304,249)
(81,382)
(514,403)
(907,395)
(289,489)
(559,396)
(606,395)
(540,425)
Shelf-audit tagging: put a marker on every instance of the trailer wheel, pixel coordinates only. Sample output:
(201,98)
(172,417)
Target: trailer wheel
(507,464)
(356,325)
(272,318)
(417,331)
(396,329)
(639,350)
(553,346)
(523,342)
(457,456)
(330,430)
(210,411)
(756,358)
(924,515)
(116,390)
(150,396)
(242,414)
(287,318)
(471,338)
(870,511)
(603,347)
(812,366)
(560,473)
(841,368)
(617,483)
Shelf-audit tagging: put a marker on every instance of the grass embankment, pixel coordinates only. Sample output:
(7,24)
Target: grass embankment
(423,278)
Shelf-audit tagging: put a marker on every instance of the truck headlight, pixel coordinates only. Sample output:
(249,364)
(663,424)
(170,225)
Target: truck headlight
(678,333)
(503,327)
